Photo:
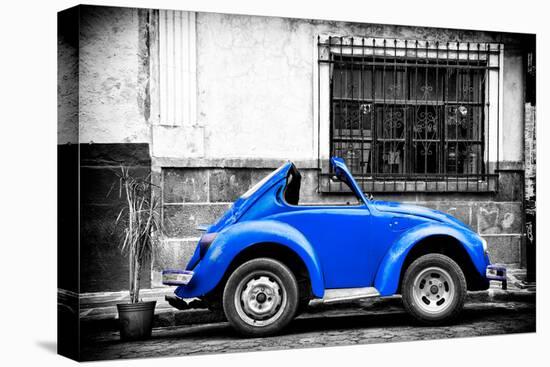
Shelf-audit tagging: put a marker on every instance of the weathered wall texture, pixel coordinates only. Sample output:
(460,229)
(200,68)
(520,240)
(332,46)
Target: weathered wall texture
(101,99)
(530,152)
(67,154)
(67,76)
(255,109)
(530,189)
(256,91)
(110,79)
(254,74)
(256,101)
(512,105)
(255,87)
(257,74)
(102,266)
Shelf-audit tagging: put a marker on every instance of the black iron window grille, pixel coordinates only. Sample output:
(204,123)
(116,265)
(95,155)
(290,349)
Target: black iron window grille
(412,115)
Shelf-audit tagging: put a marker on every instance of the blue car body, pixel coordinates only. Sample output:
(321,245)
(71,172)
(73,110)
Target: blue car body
(363,245)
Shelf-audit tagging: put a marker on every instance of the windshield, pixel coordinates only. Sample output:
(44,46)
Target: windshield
(255,188)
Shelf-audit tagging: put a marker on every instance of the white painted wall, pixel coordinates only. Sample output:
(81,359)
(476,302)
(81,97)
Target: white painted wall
(255,86)
(67,78)
(512,108)
(108,90)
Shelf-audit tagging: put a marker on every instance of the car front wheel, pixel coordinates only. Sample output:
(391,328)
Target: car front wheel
(260,297)
(434,289)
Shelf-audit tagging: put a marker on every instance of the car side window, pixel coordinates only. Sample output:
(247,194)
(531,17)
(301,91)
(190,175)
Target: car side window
(296,193)
(292,189)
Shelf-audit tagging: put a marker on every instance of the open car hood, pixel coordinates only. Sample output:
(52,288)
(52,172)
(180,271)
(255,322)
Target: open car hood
(343,173)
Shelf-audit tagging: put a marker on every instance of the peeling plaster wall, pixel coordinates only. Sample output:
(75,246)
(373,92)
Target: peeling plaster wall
(67,77)
(103,97)
(111,79)
(512,106)
(256,82)
(530,152)
(255,87)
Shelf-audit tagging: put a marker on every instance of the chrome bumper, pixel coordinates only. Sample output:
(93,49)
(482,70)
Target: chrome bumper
(497,273)
(176,277)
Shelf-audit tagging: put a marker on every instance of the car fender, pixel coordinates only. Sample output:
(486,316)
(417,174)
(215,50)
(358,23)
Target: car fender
(230,242)
(389,272)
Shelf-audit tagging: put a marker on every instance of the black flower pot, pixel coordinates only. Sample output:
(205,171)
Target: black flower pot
(136,320)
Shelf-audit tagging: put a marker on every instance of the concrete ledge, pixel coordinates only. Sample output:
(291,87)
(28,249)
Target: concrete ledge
(510,166)
(231,162)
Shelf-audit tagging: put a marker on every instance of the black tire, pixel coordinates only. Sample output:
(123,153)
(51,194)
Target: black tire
(434,289)
(280,297)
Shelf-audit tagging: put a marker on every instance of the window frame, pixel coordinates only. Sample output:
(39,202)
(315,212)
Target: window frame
(328,46)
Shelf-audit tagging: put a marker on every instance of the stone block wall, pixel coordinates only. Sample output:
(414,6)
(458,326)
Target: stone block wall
(497,216)
(192,197)
(500,223)
(199,195)
(102,265)
(530,190)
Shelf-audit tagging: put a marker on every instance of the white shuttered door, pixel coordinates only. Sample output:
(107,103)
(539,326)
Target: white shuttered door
(177,68)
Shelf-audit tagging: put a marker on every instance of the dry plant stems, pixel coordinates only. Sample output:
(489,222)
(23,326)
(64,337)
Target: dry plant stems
(142,224)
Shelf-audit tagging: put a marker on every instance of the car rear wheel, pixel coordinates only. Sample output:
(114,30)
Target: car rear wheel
(434,289)
(260,297)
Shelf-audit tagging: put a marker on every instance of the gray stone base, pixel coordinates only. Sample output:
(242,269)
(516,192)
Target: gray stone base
(199,195)
(171,254)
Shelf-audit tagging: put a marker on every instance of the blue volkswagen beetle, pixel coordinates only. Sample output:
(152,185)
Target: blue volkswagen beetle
(268,256)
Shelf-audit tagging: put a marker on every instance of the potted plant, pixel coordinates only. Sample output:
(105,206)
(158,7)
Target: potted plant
(142,224)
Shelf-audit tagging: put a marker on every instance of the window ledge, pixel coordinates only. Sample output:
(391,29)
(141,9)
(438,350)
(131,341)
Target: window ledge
(451,184)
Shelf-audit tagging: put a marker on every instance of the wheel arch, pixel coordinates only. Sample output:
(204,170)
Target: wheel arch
(252,239)
(430,239)
(275,251)
(445,245)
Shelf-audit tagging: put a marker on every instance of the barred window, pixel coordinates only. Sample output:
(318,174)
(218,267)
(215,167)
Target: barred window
(411,115)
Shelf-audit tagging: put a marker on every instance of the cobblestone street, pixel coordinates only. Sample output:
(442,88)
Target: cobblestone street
(344,326)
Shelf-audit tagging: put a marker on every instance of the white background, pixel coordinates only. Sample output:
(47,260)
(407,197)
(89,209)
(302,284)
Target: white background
(28,180)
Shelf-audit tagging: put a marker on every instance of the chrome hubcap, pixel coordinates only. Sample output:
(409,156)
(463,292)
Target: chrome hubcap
(260,299)
(433,290)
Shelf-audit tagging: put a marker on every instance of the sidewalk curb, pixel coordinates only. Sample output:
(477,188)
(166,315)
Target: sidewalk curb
(170,317)
(499,295)
(162,318)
